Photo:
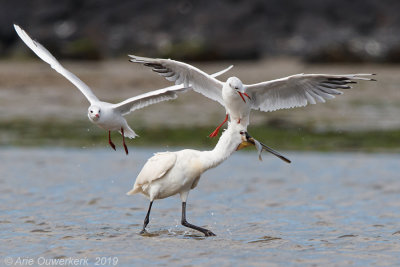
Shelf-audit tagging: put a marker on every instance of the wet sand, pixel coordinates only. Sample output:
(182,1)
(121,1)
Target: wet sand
(330,209)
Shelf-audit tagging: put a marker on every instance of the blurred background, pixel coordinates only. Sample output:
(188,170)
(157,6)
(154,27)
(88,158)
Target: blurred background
(262,39)
(60,200)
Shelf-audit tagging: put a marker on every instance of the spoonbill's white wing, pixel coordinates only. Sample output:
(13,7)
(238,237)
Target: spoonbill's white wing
(154,97)
(182,73)
(299,90)
(155,168)
(47,57)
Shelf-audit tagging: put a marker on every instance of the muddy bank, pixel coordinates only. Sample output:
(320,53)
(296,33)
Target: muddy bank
(33,91)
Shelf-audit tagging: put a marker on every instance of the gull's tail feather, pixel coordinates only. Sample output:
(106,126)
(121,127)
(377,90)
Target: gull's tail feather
(128,132)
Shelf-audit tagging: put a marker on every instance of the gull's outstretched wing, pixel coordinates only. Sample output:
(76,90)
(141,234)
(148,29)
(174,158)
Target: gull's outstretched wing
(299,90)
(143,100)
(182,73)
(47,57)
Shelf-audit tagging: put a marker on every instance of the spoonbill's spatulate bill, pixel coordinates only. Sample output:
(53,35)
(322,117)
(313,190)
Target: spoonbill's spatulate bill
(261,147)
(170,173)
(106,115)
(238,98)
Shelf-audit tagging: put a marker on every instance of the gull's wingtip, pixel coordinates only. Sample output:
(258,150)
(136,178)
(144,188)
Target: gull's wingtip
(361,76)
(137,59)
(229,68)
(368,74)
(21,33)
(17,28)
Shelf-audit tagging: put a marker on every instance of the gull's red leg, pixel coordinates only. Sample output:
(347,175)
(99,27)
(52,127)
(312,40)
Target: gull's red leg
(216,131)
(109,140)
(123,140)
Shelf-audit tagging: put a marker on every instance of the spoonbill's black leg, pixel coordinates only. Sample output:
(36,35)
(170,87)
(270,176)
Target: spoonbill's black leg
(147,219)
(185,223)
(109,140)
(123,141)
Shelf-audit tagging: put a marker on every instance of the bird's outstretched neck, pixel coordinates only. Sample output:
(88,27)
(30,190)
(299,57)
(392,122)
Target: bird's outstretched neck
(227,144)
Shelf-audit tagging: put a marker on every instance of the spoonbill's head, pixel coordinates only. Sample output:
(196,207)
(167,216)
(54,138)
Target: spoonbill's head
(94,113)
(237,85)
(247,140)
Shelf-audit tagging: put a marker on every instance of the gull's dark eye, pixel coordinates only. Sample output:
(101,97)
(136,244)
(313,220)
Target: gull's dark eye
(241,132)
(91,111)
(236,87)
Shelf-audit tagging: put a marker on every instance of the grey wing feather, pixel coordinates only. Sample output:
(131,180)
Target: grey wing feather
(150,98)
(299,90)
(47,57)
(182,73)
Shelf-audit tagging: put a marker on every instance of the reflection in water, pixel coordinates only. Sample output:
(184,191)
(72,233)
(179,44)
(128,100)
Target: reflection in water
(322,209)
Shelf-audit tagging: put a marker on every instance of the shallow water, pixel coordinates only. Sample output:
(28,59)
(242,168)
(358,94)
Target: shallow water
(324,209)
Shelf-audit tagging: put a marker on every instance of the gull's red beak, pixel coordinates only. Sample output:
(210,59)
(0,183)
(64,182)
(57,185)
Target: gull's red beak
(241,95)
(97,116)
(247,95)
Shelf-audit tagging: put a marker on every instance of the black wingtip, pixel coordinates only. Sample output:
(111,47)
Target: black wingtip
(285,159)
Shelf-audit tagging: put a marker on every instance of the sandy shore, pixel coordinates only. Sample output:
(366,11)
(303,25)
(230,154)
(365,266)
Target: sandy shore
(32,90)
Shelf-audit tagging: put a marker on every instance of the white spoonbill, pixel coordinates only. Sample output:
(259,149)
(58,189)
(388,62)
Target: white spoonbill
(238,98)
(105,115)
(169,173)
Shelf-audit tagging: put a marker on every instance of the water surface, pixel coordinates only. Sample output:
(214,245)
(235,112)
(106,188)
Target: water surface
(324,209)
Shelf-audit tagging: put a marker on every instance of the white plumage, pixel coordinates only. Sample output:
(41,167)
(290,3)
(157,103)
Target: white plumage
(238,98)
(169,173)
(106,115)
